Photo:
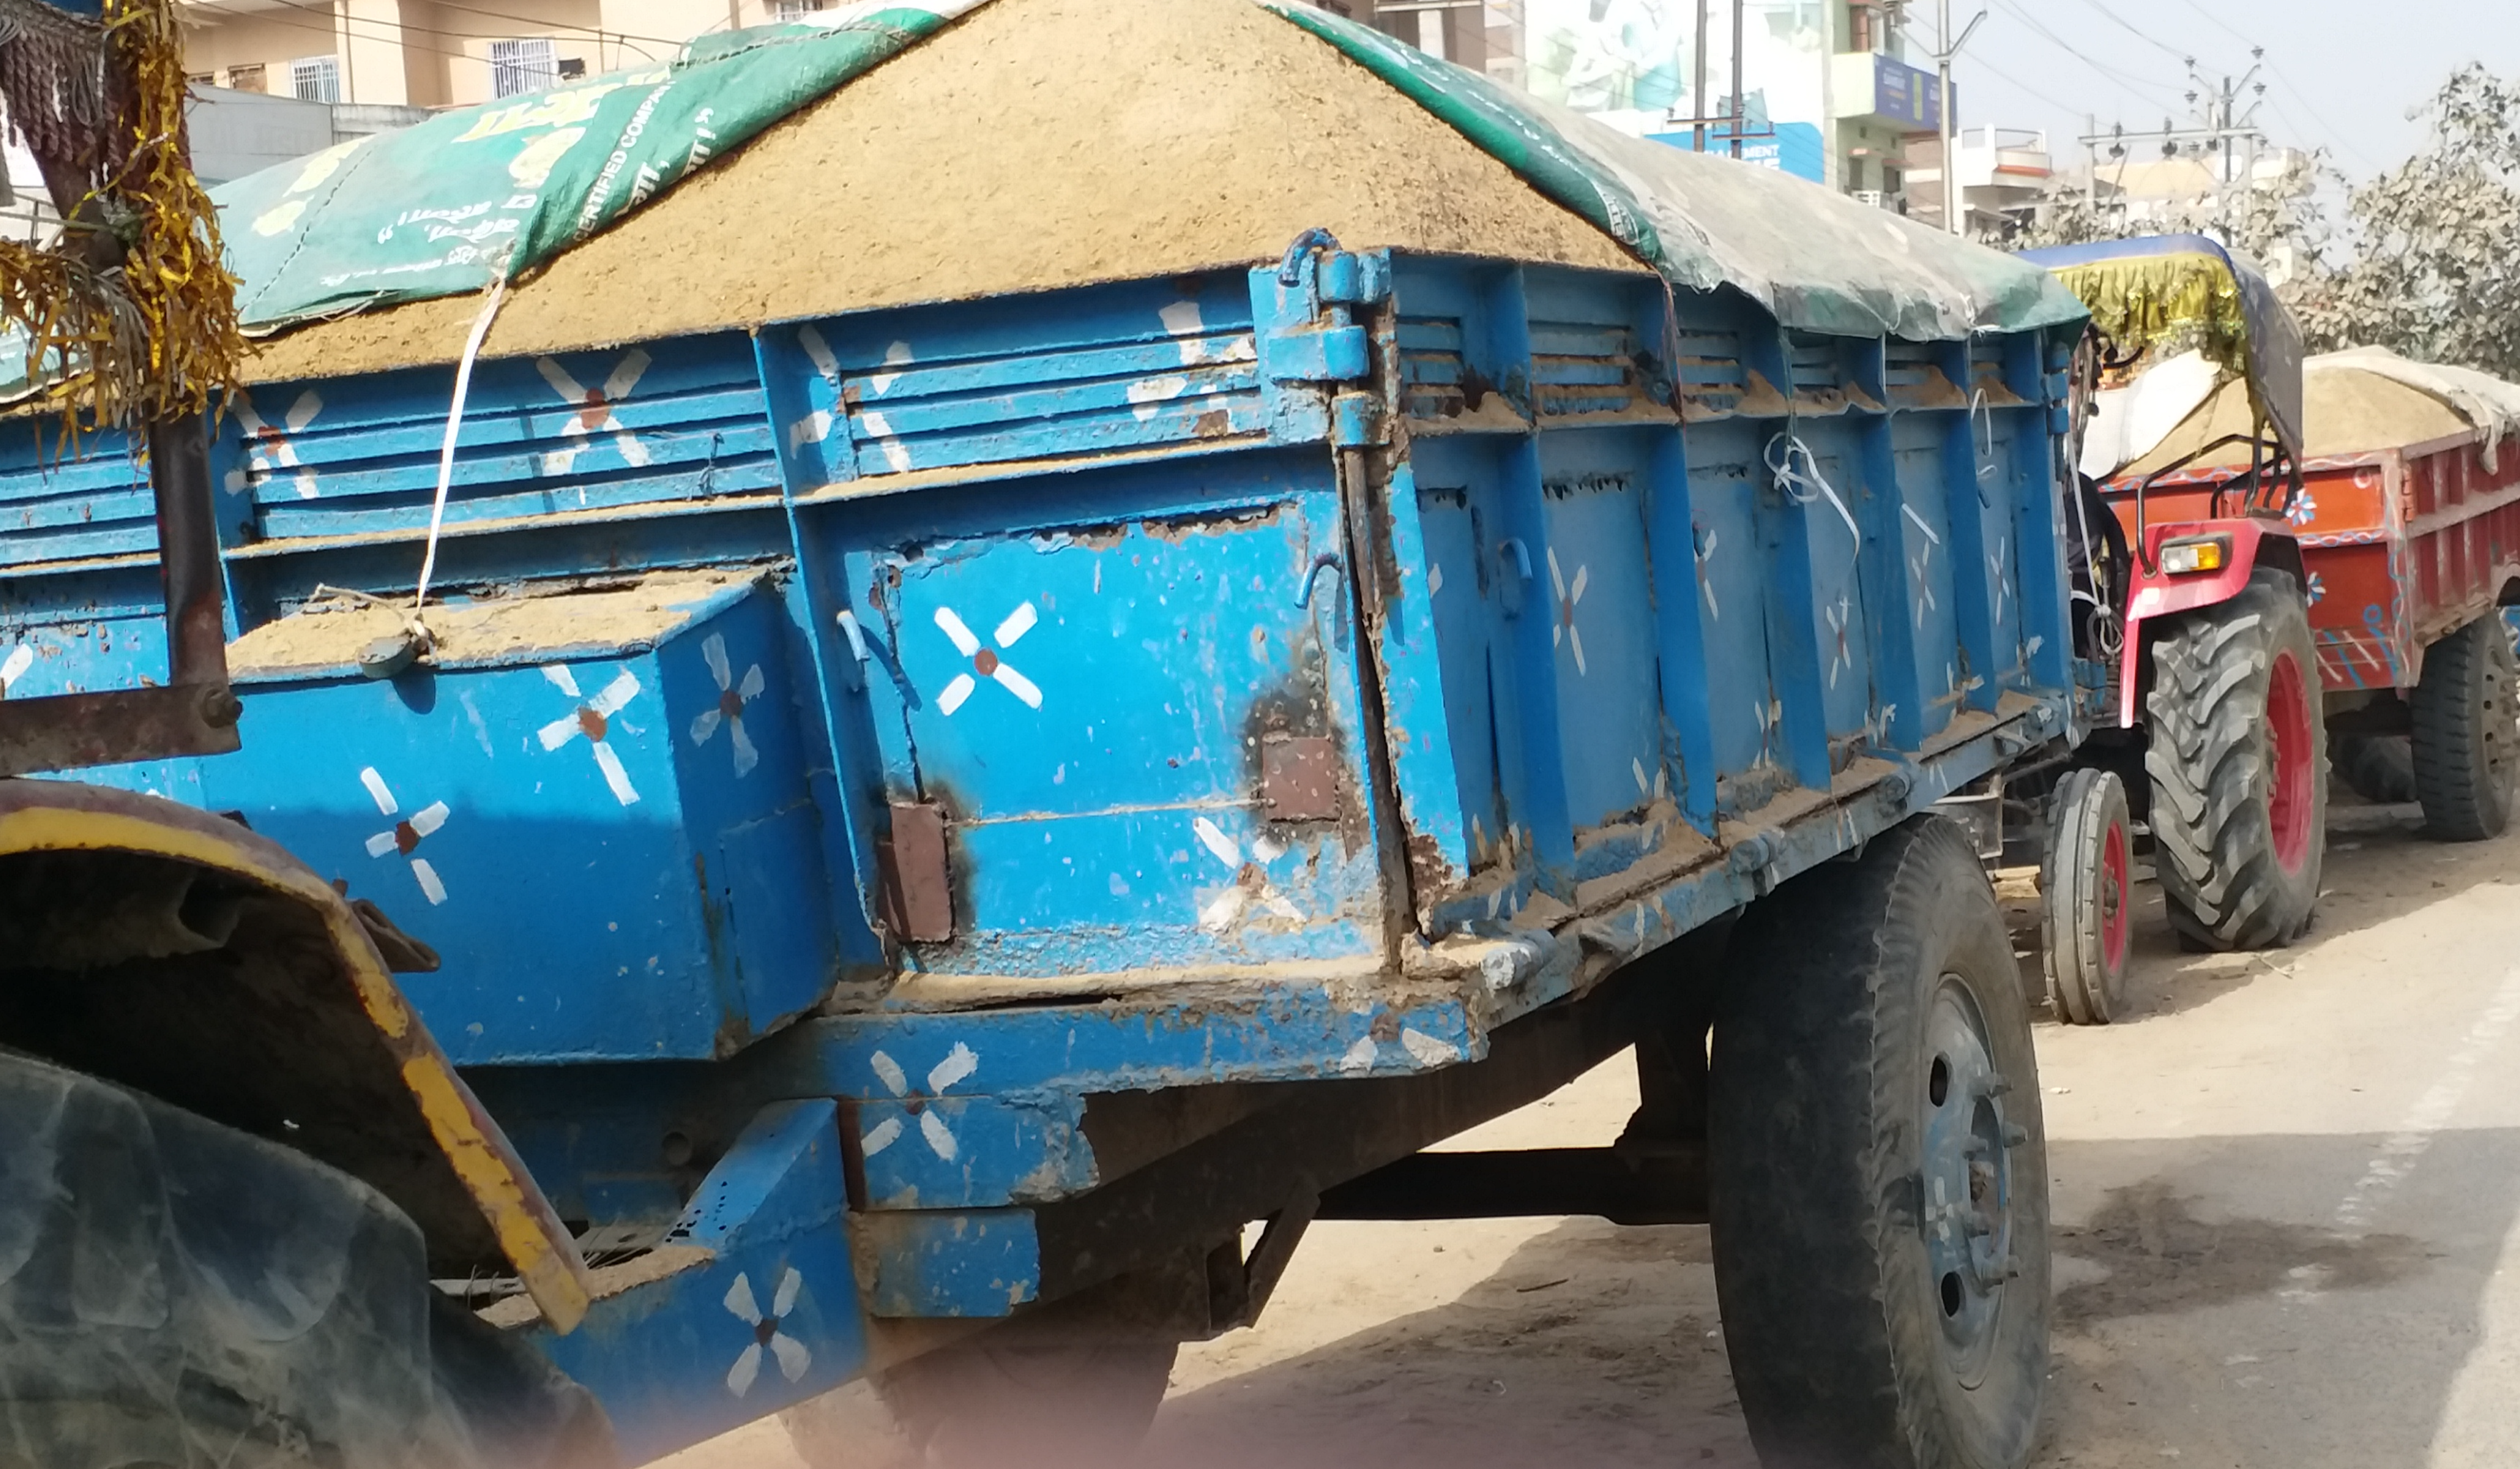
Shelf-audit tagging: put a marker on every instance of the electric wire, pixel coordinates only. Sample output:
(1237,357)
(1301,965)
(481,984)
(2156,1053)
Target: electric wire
(339,27)
(2138,85)
(2140,34)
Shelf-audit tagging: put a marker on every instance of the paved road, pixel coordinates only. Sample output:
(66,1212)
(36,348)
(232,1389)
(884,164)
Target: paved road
(2288,1188)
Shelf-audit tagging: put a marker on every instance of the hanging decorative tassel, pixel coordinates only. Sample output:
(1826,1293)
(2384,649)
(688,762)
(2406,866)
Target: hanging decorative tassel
(130,317)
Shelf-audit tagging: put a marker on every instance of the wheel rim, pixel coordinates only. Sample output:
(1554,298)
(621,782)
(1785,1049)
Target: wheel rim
(2115,926)
(1967,1176)
(2288,737)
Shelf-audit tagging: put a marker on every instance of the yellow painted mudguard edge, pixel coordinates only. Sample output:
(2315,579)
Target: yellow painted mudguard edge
(38,816)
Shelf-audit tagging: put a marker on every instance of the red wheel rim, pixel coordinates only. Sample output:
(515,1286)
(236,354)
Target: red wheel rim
(2288,741)
(2114,927)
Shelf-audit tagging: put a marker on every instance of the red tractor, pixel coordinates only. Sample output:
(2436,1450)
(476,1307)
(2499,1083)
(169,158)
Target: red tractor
(2199,625)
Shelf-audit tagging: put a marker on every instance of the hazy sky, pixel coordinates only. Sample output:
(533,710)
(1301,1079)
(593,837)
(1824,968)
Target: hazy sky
(2341,75)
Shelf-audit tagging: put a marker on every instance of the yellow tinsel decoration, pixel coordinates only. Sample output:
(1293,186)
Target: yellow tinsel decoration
(142,328)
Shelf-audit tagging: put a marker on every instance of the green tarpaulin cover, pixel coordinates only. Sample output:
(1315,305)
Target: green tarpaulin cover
(442,207)
(447,206)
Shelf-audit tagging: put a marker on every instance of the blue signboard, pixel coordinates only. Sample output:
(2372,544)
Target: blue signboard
(1903,94)
(1790,147)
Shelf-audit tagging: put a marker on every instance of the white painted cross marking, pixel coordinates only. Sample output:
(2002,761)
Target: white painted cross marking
(1564,628)
(268,450)
(1841,657)
(792,1354)
(732,696)
(985,660)
(1250,882)
(957,1066)
(1705,581)
(594,720)
(20,658)
(1995,573)
(899,355)
(595,410)
(406,835)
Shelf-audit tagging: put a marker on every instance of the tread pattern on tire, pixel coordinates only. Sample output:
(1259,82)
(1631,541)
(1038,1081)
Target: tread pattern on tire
(1816,1197)
(2073,950)
(2211,776)
(2379,768)
(2467,679)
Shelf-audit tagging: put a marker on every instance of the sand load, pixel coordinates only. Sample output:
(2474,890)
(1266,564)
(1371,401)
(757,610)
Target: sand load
(2355,402)
(1033,144)
(1024,144)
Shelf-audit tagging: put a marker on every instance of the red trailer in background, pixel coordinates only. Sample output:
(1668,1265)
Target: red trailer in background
(2408,523)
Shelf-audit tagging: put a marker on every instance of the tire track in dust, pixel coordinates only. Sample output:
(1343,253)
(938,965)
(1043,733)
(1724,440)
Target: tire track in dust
(2403,1150)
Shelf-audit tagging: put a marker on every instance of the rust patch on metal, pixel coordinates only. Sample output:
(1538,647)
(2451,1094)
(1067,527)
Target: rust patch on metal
(1299,778)
(917,874)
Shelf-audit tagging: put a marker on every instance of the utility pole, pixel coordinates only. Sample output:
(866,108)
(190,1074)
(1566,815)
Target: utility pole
(2090,167)
(1740,114)
(1697,94)
(2226,125)
(1954,217)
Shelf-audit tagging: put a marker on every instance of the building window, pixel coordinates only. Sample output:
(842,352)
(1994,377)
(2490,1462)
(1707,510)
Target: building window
(795,10)
(246,78)
(316,79)
(521,67)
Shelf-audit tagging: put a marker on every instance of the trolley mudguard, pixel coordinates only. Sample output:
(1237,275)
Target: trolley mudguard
(176,952)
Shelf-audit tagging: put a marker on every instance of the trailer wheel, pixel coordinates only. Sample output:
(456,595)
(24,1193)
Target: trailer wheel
(2085,897)
(2379,768)
(2238,757)
(1068,1405)
(2467,764)
(179,1293)
(1879,1170)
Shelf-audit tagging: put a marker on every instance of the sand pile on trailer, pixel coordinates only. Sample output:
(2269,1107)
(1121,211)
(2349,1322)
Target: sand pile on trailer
(1034,144)
(2344,410)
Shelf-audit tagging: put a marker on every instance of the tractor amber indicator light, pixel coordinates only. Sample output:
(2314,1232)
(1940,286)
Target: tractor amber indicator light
(2187,558)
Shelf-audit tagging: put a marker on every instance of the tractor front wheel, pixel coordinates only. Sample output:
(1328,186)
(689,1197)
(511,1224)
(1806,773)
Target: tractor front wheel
(2238,761)
(2086,892)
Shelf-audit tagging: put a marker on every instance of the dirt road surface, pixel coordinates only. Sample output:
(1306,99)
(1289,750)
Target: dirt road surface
(2288,1199)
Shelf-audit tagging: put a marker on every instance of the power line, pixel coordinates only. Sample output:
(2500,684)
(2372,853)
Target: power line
(2127,80)
(2217,21)
(339,27)
(329,31)
(2139,34)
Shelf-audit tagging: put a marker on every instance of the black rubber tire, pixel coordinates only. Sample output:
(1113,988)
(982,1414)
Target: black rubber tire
(178,1293)
(2085,892)
(1068,1406)
(1819,1111)
(2467,736)
(2211,756)
(2379,768)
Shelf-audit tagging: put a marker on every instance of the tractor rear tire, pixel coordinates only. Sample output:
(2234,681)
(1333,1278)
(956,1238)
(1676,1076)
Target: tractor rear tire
(1879,1170)
(2238,761)
(2379,768)
(2467,733)
(2085,898)
(176,1293)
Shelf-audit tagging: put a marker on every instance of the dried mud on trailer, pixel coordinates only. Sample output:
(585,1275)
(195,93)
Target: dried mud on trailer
(916,819)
